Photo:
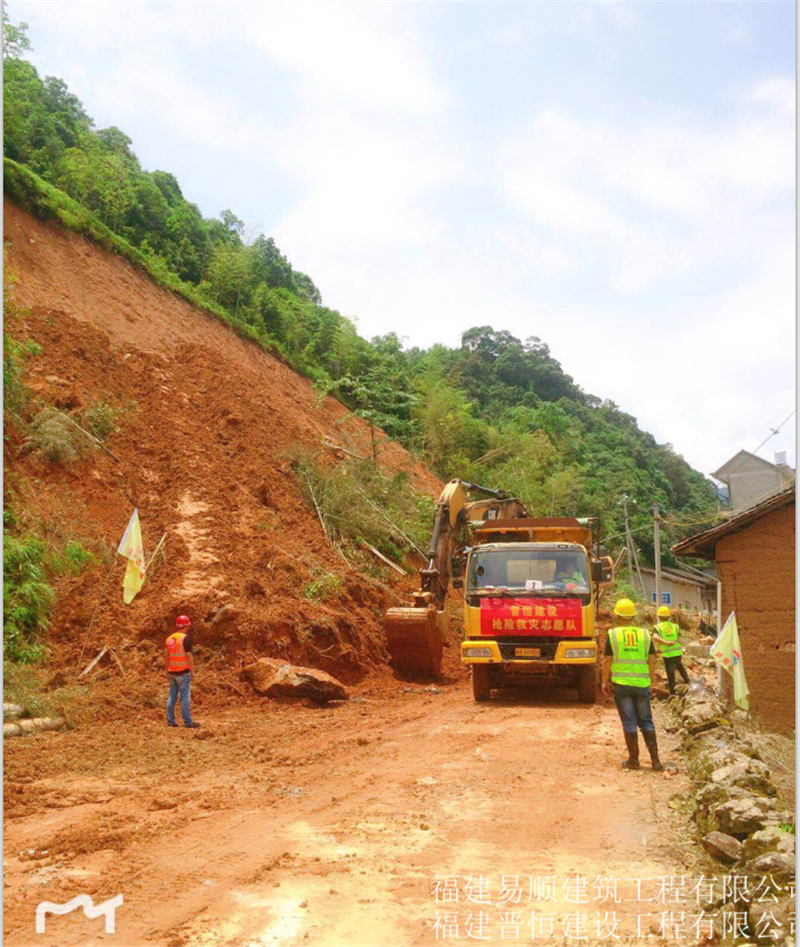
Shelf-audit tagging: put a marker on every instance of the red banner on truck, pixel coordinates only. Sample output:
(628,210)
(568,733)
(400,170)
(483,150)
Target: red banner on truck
(554,617)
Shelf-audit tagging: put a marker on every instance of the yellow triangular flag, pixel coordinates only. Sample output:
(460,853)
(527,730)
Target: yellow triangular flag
(131,548)
(727,652)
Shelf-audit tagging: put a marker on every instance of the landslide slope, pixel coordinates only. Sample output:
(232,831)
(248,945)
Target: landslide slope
(209,423)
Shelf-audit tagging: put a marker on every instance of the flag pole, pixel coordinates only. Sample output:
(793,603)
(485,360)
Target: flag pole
(94,615)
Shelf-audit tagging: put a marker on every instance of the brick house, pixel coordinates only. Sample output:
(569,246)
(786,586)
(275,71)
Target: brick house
(754,552)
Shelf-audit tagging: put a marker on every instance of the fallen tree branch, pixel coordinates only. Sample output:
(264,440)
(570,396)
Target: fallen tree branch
(380,555)
(344,450)
(91,437)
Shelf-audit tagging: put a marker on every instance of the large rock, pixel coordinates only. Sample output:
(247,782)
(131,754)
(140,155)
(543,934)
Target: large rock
(747,774)
(770,922)
(771,839)
(775,866)
(724,848)
(275,678)
(703,715)
(741,817)
(714,794)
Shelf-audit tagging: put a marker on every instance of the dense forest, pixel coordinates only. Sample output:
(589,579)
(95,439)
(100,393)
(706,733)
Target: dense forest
(496,409)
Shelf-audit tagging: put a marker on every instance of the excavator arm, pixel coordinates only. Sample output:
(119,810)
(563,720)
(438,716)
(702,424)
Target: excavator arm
(415,635)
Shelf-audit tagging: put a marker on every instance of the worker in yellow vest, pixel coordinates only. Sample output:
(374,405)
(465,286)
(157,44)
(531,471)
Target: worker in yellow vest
(180,670)
(667,637)
(628,666)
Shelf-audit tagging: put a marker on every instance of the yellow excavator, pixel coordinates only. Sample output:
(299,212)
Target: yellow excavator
(530,595)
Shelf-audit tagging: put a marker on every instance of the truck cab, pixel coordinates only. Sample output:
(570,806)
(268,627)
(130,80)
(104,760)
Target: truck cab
(529,605)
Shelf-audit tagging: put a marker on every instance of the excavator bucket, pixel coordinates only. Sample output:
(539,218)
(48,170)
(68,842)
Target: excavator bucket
(415,637)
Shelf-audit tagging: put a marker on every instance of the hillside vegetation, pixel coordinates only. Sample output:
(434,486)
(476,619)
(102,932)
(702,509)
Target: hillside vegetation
(495,409)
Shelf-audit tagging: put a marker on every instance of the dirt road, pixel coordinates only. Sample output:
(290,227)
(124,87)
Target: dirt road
(297,825)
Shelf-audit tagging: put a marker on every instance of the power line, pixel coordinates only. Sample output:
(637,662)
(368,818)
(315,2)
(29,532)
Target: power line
(773,432)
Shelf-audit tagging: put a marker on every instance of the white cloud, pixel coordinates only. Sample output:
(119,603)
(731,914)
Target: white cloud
(669,238)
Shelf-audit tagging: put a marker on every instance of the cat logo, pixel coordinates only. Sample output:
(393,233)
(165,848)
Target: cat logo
(107,909)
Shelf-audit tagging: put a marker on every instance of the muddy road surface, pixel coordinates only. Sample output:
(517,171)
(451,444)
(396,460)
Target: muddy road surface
(408,816)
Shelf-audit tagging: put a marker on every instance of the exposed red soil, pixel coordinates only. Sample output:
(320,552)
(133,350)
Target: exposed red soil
(276,823)
(209,424)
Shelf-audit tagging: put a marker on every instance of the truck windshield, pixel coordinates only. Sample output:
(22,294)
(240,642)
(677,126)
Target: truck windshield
(532,570)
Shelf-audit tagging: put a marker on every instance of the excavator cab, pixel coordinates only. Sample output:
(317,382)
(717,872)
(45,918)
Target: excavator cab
(415,634)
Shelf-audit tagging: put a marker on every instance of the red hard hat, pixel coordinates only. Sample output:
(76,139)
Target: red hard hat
(182,621)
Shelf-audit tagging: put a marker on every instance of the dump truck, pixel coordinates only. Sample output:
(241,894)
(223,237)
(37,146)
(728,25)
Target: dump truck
(530,595)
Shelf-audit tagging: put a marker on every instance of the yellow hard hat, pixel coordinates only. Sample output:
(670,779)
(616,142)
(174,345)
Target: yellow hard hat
(663,611)
(625,608)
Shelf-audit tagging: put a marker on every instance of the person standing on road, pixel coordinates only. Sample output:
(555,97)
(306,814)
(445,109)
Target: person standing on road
(667,637)
(180,670)
(628,666)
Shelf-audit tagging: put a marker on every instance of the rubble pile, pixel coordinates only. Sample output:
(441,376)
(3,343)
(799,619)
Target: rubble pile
(737,809)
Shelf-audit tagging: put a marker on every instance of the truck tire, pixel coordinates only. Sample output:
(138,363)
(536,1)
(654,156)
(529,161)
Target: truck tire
(481,686)
(587,683)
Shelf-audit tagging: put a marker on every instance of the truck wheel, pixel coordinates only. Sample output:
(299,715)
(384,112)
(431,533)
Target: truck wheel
(587,683)
(481,687)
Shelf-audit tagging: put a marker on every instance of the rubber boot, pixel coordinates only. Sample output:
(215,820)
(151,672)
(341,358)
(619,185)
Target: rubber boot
(651,742)
(632,743)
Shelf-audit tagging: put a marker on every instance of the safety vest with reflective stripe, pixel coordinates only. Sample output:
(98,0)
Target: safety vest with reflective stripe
(630,647)
(669,631)
(178,659)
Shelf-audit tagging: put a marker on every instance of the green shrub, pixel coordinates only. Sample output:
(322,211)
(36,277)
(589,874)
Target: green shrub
(55,438)
(27,598)
(323,586)
(74,558)
(99,420)
(357,504)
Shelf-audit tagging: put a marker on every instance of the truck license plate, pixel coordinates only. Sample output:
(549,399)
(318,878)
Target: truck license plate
(528,652)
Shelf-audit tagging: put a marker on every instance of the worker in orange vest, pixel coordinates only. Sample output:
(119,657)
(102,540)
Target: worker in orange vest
(180,670)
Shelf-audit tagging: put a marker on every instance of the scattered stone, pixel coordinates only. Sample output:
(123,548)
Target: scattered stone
(35,725)
(741,817)
(699,651)
(203,734)
(223,615)
(303,904)
(159,804)
(274,678)
(433,689)
(771,839)
(724,848)
(362,741)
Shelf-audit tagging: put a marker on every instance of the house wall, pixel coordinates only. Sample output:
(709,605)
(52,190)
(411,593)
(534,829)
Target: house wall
(748,485)
(757,569)
(684,594)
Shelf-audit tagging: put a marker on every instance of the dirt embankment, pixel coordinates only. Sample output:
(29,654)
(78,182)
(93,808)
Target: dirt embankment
(208,424)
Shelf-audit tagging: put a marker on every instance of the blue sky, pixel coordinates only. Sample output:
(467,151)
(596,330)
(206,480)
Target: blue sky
(615,178)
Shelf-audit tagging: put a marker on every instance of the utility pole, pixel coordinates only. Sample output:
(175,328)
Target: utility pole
(634,558)
(657,550)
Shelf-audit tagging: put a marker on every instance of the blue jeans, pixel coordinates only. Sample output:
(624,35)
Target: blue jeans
(179,684)
(633,705)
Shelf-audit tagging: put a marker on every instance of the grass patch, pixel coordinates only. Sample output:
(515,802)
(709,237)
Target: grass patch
(22,684)
(357,503)
(27,599)
(322,586)
(100,420)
